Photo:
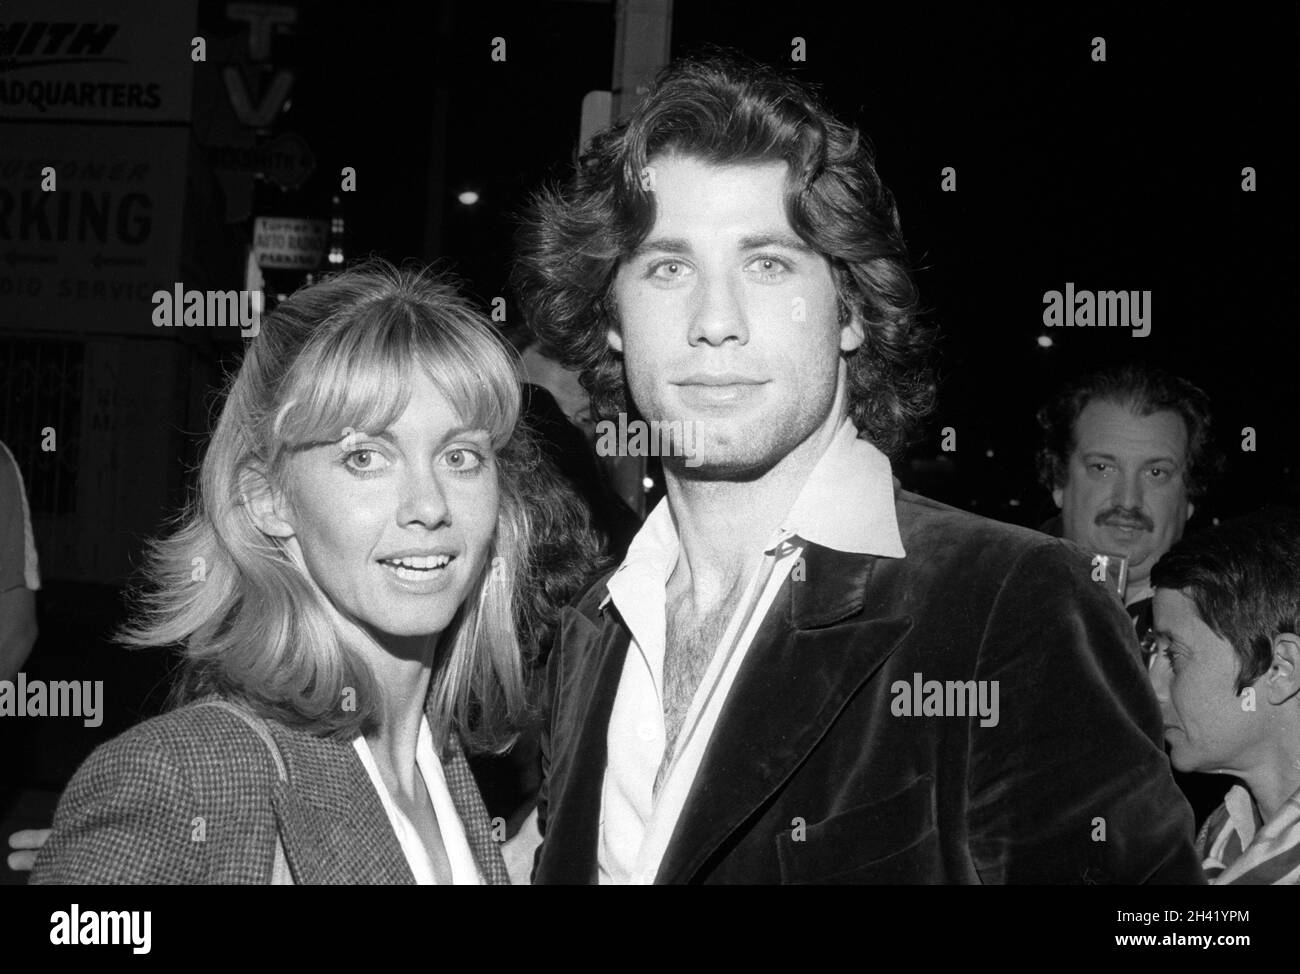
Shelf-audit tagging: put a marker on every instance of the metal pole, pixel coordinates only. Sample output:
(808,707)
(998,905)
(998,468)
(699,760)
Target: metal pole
(642,45)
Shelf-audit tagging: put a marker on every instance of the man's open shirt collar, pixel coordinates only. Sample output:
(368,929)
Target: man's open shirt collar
(846,504)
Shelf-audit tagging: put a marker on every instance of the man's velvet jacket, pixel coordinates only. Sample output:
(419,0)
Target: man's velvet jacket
(811,777)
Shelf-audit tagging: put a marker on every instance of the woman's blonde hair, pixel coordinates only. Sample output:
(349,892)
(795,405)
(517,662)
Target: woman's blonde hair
(337,357)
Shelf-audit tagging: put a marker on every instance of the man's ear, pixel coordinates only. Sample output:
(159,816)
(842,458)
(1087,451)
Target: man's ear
(267,507)
(1191,510)
(613,330)
(1282,681)
(1058,495)
(614,338)
(852,333)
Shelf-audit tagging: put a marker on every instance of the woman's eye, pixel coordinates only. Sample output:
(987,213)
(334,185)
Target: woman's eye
(364,461)
(462,460)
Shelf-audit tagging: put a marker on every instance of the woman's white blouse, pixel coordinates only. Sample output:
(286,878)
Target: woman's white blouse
(464,870)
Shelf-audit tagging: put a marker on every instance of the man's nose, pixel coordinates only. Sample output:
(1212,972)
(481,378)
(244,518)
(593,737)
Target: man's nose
(1127,492)
(718,315)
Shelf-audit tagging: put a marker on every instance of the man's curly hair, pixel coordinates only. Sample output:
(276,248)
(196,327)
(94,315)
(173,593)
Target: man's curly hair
(724,111)
(1144,391)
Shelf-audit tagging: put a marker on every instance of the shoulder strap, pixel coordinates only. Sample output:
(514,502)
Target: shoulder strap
(280,874)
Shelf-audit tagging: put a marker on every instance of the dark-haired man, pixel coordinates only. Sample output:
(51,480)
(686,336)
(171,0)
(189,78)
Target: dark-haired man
(1126,450)
(1227,673)
(800,673)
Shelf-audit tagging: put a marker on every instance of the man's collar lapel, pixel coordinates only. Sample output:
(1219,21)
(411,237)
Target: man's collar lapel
(588,682)
(805,664)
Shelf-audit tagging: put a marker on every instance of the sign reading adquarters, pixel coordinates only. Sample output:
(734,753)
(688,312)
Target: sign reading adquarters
(118,61)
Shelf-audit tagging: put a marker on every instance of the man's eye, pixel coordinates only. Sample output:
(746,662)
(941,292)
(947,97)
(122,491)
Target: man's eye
(768,267)
(1158,474)
(669,270)
(1099,467)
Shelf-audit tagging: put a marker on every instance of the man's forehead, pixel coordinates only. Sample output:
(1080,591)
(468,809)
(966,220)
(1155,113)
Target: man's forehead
(689,186)
(706,207)
(689,165)
(1105,426)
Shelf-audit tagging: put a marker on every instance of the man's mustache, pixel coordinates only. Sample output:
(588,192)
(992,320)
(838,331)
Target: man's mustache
(1125,517)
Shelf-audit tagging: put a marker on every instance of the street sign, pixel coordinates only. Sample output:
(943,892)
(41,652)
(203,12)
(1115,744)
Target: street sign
(111,60)
(285,160)
(289,242)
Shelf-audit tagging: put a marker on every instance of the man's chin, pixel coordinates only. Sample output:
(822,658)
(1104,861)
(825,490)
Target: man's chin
(723,452)
(714,467)
(1132,543)
(1136,550)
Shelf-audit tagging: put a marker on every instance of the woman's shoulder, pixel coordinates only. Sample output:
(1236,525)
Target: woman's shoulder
(182,797)
(199,756)
(226,754)
(204,732)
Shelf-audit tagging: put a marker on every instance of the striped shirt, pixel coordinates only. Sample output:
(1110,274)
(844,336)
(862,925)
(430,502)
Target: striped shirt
(1237,849)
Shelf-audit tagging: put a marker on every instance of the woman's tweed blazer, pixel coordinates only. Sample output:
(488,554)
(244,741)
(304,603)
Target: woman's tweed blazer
(193,796)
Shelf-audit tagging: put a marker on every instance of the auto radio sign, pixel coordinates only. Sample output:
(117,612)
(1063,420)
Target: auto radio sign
(289,242)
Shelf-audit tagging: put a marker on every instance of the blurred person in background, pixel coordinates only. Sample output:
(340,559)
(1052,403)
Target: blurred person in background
(19,575)
(1126,451)
(1227,673)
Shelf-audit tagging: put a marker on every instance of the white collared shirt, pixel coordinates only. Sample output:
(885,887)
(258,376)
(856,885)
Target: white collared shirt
(847,504)
(464,870)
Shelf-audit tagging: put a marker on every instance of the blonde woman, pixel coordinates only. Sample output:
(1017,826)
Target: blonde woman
(349,588)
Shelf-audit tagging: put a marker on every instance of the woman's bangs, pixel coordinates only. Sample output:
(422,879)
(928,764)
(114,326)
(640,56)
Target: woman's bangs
(359,378)
(472,371)
(353,383)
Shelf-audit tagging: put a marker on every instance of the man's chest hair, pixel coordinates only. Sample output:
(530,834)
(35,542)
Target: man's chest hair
(691,640)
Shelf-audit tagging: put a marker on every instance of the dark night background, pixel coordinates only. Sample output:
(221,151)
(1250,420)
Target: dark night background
(1122,175)
(1117,175)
